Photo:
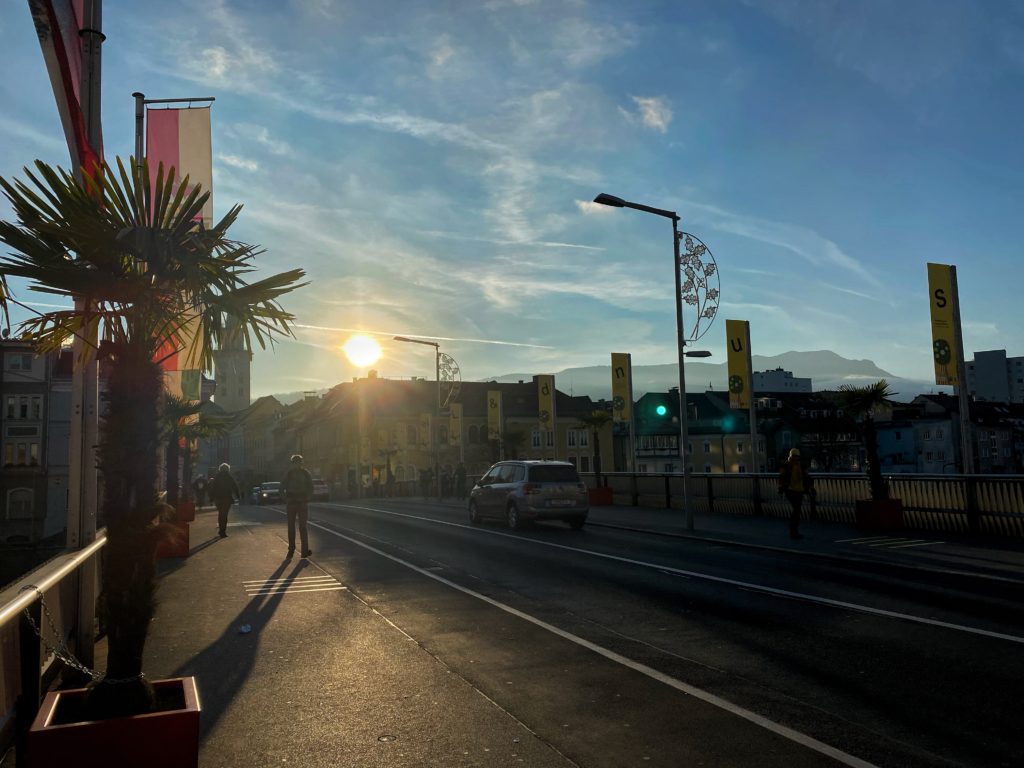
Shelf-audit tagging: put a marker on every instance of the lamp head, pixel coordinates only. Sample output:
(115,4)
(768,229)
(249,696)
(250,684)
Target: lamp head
(614,202)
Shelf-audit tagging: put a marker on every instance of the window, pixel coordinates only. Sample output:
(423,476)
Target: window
(898,435)
(584,438)
(571,438)
(707,446)
(584,463)
(760,445)
(641,468)
(938,433)
(410,434)
(995,452)
(928,456)
(551,438)
(572,460)
(739,446)
(787,438)
(20,363)
(535,438)
(670,468)
(707,468)
(11,405)
(927,434)
(742,468)
(19,504)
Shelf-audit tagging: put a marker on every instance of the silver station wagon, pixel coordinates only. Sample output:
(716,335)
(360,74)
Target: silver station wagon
(521,491)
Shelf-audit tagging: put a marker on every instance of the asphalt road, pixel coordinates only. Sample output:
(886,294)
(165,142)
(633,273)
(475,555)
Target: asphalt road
(620,648)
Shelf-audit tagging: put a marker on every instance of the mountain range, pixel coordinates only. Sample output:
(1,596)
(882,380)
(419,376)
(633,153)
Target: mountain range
(825,368)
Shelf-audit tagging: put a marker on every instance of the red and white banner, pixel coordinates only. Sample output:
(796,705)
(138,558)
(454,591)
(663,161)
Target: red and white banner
(58,25)
(180,139)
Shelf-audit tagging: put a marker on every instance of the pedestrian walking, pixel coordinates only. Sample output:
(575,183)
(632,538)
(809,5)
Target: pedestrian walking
(298,488)
(795,482)
(223,492)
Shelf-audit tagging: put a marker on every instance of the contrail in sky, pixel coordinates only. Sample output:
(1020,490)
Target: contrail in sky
(421,336)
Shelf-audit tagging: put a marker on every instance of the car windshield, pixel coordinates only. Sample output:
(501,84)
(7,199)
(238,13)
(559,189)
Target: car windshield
(557,473)
(270,486)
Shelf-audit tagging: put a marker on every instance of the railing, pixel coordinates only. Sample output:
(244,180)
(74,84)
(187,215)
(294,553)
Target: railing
(26,671)
(979,504)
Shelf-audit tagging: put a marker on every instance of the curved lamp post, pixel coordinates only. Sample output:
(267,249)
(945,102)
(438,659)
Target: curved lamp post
(445,370)
(697,292)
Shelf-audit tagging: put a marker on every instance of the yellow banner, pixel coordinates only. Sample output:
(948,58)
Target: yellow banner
(494,419)
(942,299)
(546,400)
(455,425)
(741,379)
(622,387)
(425,433)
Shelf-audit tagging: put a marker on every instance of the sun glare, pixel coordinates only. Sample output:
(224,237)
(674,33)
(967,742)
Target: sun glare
(362,351)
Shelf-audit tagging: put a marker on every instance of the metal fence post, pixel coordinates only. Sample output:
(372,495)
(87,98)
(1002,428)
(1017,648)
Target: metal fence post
(711,495)
(633,492)
(668,492)
(758,508)
(973,513)
(29,651)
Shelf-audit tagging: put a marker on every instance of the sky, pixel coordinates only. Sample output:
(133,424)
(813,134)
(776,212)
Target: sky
(431,165)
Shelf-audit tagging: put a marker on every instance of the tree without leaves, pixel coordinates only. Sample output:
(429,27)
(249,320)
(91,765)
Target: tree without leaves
(130,249)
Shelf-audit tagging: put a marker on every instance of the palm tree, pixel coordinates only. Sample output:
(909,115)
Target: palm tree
(130,248)
(596,422)
(863,403)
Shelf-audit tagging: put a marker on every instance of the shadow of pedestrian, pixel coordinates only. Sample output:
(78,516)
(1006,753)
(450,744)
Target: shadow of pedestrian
(223,666)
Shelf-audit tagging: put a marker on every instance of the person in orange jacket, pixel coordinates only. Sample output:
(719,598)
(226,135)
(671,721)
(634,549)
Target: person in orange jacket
(795,482)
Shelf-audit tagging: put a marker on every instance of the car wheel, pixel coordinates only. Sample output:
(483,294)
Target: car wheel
(474,513)
(512,517)
(577,523)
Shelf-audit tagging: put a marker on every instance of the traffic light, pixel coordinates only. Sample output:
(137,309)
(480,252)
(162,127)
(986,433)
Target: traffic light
(661,410)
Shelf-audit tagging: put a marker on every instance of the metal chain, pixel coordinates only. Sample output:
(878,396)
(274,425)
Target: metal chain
(61,651)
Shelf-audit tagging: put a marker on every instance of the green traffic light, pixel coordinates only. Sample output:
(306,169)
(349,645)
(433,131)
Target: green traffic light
(661,410)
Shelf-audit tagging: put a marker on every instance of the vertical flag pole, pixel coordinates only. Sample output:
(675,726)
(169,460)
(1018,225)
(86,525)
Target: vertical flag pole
(966,437)
(140,124)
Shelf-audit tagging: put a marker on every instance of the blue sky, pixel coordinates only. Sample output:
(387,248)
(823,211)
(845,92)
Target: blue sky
(430,165)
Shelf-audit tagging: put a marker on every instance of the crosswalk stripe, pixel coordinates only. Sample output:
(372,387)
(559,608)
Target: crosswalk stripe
(292,590)
(916,544)
(291,580)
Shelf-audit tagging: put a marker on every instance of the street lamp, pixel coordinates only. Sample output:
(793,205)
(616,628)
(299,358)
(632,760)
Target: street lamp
(705,310)
(437,404)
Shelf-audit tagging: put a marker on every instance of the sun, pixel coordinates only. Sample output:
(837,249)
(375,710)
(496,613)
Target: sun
(362,351)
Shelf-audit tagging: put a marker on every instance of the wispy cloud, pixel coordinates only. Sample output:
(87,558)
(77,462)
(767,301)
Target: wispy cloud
(590,208)
(421,336)
(238,162)
(496,241)
(15,129)
(652,112)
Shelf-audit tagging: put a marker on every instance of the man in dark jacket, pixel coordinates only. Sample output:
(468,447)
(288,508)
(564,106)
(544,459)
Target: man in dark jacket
(298,488)
(795,482)
(224,491)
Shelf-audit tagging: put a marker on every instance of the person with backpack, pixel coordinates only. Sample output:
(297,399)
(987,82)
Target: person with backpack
(223,492)
(298,488)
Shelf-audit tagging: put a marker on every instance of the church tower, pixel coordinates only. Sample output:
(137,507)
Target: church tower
(232,370)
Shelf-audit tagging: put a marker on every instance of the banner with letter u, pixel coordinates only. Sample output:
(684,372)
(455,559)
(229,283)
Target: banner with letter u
(741,379)
(943,303)
(494,419)
(622,387)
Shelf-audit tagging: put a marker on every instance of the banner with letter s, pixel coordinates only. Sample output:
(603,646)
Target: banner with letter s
(494,419)
(942,299)
(741,379)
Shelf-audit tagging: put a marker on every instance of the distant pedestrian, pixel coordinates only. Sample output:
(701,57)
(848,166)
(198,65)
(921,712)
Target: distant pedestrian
(298,488)
(460,481)
(223,492)
(795,482)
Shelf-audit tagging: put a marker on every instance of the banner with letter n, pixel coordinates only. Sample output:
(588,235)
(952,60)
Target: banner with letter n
(455,426)
(494,415)
(942,297)
(741,379)
(622,387)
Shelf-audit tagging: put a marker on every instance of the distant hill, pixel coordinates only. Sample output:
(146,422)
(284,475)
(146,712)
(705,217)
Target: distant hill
(825,368)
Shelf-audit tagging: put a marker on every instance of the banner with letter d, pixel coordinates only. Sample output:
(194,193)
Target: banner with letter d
(494,419)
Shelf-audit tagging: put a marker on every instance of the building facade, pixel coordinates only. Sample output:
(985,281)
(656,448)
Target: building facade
(996,378)
(779,380)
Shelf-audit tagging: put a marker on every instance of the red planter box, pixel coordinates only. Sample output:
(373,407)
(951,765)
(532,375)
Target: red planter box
(884,515)
(600,497)
(186,511)
(168,739)
(178,546)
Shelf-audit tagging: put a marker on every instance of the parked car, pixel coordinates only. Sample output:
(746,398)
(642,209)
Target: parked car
(270,493)
(520,491)
(321,490)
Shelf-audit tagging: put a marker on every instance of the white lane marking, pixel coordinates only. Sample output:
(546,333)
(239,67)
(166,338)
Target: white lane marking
(916,544)
(289,580)
(717,579)
(292,590)
(709,698)
(893,542)
(860,539)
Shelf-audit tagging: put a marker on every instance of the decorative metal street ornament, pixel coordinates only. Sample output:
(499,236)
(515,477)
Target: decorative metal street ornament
(700,285)
(450,377)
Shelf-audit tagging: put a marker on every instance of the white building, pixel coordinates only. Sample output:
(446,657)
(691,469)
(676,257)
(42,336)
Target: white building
(994,377)
(779,381)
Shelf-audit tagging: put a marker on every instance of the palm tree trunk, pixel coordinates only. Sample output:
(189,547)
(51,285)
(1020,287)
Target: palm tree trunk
(879,488)
(128,460)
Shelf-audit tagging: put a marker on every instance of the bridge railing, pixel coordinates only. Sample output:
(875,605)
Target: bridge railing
(981,504)
(39,613)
